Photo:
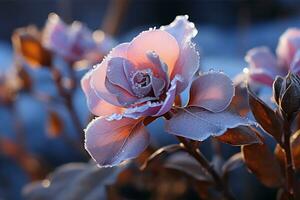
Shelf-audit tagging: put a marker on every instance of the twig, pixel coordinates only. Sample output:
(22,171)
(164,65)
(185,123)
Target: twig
(67,100)
(195,152)
(114,16)
(289,171)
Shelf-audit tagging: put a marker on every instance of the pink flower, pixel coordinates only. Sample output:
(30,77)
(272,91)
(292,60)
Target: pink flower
(263,64)
(142,78)
(74,42)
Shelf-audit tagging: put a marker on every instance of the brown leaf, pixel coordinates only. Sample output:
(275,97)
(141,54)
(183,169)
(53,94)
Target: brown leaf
(262,162)
(239,102)
(265,116)
(183,162)
(9,148)
(295,145)
(25,80)
(282,195)
(280,155)
(163,150)
(241,135)
(54,125)
(233,163)
(27,42)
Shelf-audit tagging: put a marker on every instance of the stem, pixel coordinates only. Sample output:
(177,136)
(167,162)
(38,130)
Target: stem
(195,152)
(114,15)
(289,171)
(67,100)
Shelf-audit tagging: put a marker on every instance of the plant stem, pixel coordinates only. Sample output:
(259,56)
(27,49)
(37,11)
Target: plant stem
(195,152)
(67,100)
(289,171)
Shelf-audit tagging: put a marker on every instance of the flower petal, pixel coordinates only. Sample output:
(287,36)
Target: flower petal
(212,91)
(263,66)
(261,57)
(158,85)
(99,75)
(295,66)
(123,97)
(161,69)
(161,42)
(96,105)
(116,74)
(182,29)
(261,76)
(198,124)
(169,100)
(186,66)
(288,45)
(112,142)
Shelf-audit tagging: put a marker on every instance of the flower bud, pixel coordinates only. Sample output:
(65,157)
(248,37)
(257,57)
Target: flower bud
(286,92)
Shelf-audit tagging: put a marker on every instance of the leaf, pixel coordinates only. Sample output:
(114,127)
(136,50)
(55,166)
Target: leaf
(233,163)
(112,142)
(198,124)
(240,135)
(263,164)
(295,145)
(25,80)
(163,150)
(265,116)
(280,155)
(282,195)
(240,102)
(54,125)
(73,181)
(27,42)
(183,162)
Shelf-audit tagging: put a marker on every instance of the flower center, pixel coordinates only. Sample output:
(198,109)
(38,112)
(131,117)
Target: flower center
(141,83)
(141,79)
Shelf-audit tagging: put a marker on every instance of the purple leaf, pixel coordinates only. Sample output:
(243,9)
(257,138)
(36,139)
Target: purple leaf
(198,124)
(183,162)
(158,153)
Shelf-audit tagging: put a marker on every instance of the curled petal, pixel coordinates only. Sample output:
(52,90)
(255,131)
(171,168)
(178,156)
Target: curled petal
(147,109)
(158,86)
(160,69)
(188,62)
(182,29)
(288,45)
(212,91)
(123,97)
(152,108)
(263,66)
(112,142)
(170,98)
(116,74)
(161,42)
(261,76)
(186,66)
(99,75)
(96,105)
(261,57)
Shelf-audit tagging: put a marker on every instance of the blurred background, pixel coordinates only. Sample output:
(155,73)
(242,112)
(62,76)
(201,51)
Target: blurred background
(227,29)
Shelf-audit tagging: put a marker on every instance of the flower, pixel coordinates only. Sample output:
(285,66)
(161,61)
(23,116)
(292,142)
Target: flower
(140,79)
(74,42)
(264,66)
